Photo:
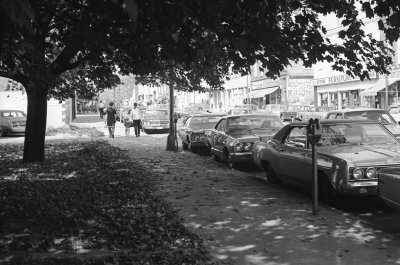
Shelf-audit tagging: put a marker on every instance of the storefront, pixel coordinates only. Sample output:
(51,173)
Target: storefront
(343,91)
(375,96)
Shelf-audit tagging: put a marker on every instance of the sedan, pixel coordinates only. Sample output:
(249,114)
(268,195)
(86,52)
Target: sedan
(232,138)
(155,120)
(351,155)
(380,115)
(12,122)
(192,133)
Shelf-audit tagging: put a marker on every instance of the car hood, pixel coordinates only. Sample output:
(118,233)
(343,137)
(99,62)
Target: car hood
(365,154)
(393,128)
(251,136)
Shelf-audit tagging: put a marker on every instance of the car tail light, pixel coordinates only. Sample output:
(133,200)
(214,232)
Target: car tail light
(371,173)
(358,173)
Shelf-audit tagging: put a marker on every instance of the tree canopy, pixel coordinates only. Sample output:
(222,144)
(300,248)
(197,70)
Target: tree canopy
(81,45)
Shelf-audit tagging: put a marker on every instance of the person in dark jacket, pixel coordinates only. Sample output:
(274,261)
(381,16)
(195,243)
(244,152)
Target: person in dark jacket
(110,119)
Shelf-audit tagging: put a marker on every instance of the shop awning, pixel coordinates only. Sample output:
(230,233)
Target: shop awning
(381,84)
(360,87)
(259,93)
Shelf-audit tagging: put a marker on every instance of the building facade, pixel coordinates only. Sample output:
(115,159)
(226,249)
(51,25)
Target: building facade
(337,90)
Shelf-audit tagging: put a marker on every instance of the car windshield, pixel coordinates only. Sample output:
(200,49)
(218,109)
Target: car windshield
(151,114)
(203,122)
(13,114)
(377,115)
(254,123)
(356,133)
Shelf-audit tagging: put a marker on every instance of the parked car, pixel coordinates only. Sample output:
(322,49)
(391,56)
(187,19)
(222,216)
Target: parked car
(388,187)
(380,115)
(232,138)
(192,133)
(274,108)
(12,122)
(237,111)
(155,120)
(293,113)
(395,112)
(351,155)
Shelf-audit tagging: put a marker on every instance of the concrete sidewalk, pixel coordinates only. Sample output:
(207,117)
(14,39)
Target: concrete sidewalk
(244,220)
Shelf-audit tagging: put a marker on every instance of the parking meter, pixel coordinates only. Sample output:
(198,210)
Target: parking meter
(314,131)
(175,117)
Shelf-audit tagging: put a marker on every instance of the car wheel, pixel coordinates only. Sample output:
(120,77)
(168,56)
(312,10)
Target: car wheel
(208,146)
(271,175)
(328,194)
(228,159)
(192,148)
(184,146)
(215,157)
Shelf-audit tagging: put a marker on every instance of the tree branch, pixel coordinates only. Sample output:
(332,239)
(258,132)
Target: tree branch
(61,63)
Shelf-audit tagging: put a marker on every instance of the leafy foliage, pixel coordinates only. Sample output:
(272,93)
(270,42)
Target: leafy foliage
(88,204)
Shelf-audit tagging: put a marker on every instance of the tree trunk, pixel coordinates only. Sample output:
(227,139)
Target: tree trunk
(35,126)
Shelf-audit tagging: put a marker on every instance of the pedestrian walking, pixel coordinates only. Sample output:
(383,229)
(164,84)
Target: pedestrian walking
(111,119)
(101,109)
(136,118)
(128,122)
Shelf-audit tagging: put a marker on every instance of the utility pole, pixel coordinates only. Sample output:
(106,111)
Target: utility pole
(386,92)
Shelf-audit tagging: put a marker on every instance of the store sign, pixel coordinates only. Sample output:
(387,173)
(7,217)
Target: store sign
(338,79)
(300,90)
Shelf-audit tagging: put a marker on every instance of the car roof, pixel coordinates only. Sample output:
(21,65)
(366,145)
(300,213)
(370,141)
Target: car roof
(338,121)
(251,115)
(3,110)
(355,110)
(207,114)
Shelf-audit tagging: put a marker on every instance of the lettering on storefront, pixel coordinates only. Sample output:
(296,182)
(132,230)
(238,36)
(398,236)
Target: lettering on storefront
(339,79)
(300,90)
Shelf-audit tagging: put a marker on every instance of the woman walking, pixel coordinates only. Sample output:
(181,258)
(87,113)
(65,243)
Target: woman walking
(110,119)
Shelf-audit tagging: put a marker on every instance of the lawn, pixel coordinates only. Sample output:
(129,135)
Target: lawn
(88,204)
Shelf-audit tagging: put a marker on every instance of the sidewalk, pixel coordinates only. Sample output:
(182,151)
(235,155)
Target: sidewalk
(244,220)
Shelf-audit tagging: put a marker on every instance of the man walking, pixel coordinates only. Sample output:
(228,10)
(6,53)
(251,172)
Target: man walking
(101,109)
(136,117)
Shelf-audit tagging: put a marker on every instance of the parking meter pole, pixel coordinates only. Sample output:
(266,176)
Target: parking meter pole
(315,177)
(171,146)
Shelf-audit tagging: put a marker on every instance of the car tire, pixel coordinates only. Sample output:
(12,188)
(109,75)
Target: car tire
(185,146)
(215,157)
(328,194)
(271,175)
(192,148)
(228,160)
(208,146)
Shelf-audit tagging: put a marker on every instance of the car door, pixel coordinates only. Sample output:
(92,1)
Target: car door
(214,135)
(292,154)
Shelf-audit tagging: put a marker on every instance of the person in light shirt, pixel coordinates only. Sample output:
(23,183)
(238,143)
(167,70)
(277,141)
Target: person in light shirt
(136,117)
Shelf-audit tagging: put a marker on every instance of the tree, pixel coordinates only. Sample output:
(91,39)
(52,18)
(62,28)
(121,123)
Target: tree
(86,42)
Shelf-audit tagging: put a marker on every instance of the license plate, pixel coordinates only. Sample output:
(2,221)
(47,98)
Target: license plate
(368,183)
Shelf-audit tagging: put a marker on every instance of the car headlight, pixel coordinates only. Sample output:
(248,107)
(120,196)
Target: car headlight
(358,173)
(371,173)
(197,136)
(244,146)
